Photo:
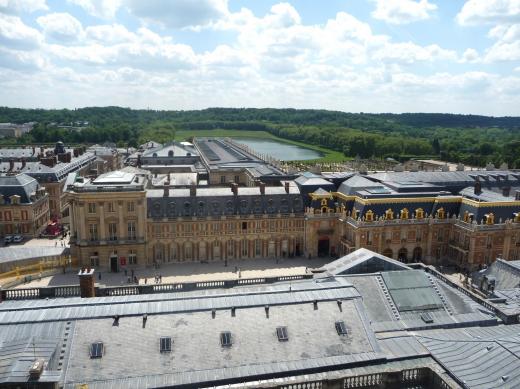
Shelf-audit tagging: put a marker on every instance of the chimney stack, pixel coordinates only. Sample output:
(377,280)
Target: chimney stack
(166,188)
(262,188)
(42,151)
(11,165)
(506,191)
(23,164)
(286,186)
(86,283)
(33,150)
(139,162)
(76,152)
(478,187)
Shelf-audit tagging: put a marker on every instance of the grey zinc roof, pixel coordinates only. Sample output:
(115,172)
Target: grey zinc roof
(357,182)
(19,253)
(481,358)
(255,351)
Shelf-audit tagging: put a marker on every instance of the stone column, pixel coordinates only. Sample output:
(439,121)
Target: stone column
(102,233)
(122,234)
(141,218)
(82,223)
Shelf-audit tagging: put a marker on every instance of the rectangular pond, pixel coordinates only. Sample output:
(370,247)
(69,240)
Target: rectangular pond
(279,150)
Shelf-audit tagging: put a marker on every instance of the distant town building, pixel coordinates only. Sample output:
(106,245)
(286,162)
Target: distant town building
(15,130)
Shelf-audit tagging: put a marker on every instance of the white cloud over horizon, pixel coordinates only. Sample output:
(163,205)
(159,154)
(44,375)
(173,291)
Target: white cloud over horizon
(274,58)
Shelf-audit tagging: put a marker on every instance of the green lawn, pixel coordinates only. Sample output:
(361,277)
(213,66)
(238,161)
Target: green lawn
(329,156)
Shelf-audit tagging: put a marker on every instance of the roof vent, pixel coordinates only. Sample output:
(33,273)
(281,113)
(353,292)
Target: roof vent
(36,369)
(505,378)
(116,321)
(213,313)
(233,311)
(315,304)
(282,334)
(489,348)
(426,317)
(340,303)
(267,311)
(145,318)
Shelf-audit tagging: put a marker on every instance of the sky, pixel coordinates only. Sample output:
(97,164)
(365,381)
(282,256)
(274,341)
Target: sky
(449,56)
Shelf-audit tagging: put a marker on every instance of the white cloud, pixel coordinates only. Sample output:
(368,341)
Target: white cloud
(105,9)
(61,27)
(109,34)
(178,13)
(507,45)
(410,53)
(15,34)
(489,11)
(470,55)
(19,6)
(403,11)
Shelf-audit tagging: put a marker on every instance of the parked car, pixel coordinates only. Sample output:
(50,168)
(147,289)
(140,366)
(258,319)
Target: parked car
(8,239)
(17,238)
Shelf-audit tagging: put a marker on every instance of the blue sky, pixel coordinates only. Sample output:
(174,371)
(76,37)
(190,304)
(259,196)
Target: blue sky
(349,55)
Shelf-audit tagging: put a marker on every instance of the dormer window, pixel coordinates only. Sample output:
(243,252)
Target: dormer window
(389,214)
(419,213)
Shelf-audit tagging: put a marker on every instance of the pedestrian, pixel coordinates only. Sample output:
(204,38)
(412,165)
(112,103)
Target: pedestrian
(145,280)
(132,272)
(56,244)
(136,281)
(160,278)
(128,280)
(236,269)
(126,272)
(99,276)
(40,276)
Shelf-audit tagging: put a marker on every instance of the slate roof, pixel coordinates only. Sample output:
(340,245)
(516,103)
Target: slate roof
(216,201)
(355,183)
(19,184)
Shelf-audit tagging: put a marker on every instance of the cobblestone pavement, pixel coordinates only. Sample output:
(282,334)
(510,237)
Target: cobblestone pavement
(192,272)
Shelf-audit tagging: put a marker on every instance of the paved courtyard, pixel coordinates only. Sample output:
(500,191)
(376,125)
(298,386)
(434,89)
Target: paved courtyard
(193,272)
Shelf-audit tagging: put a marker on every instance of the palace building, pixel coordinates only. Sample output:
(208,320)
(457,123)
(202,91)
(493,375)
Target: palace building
(216,200)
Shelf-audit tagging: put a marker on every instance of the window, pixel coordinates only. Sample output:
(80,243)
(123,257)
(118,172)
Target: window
(426,317)
(112,231)
(244,225)
(130,206)
(283,335)
(96,350)
(94,261)
(237,179)
(258,247)
(165,344)
(93,232)
(341,328)
(131,230)
(222,179)
(111,207)
(244,248)
(91,207)
(225,339)
(132,258)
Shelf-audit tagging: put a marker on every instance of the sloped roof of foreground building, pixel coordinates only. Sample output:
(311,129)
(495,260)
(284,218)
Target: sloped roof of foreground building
(393,318)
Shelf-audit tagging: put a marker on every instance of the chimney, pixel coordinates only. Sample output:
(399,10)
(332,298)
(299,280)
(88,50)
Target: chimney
(234,188)
(262,188)
(517,195)
(506,191)
(478,187)
(166,188)
(23,164)
(139,162)
(76,153)
(193,190)
(11,165)
(42,151)
(86,283)
(48,161)
(33,150)
(286,186)
(62,157)
(68,156)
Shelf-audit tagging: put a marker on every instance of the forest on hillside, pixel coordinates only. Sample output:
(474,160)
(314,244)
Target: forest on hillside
(469,139)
